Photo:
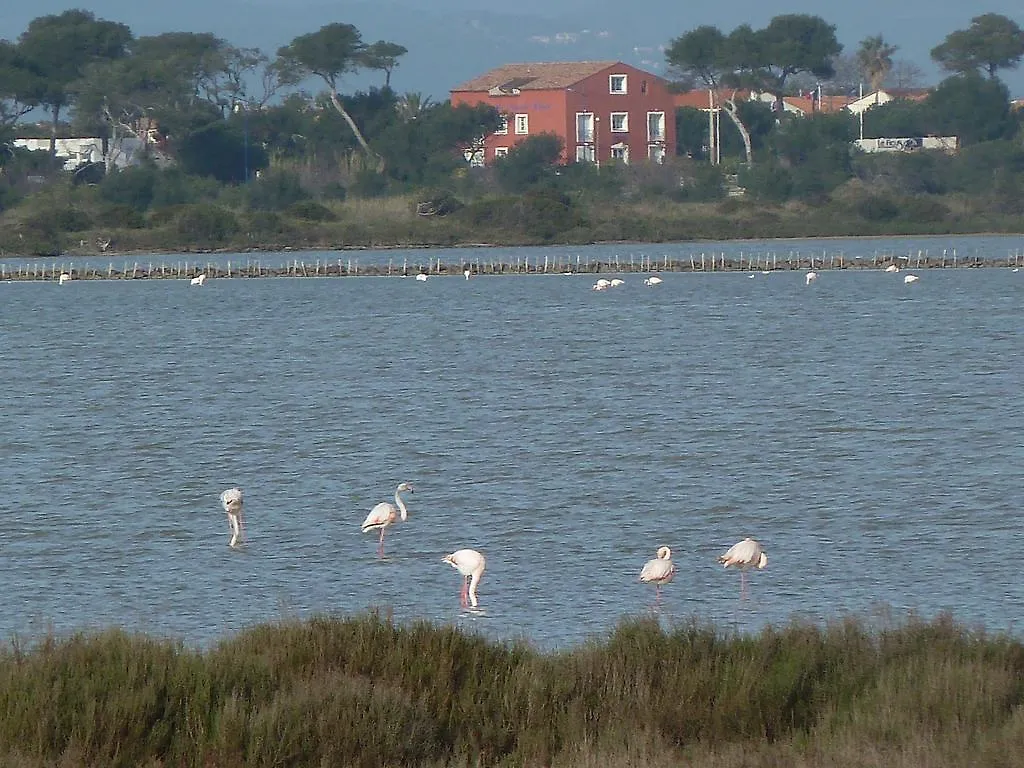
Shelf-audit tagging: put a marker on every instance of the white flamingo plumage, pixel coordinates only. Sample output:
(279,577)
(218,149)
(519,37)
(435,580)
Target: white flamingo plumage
(64,277)
(231,500)
(384,515)
(660,570)
(653,280)
(911,279)
(616,282)
(602,284)
(471,564)
(810,277)
(744,555)
(892,268)
(199,280)
(422,277)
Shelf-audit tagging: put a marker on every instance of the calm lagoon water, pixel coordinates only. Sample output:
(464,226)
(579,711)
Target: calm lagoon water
(870,433)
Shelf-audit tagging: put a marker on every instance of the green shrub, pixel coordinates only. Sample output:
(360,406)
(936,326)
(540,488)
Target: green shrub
(308,210)
(205,223)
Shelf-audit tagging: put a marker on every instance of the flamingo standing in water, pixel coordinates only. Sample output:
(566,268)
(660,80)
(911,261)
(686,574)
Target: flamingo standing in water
(231,500)
(471,565)
(810,277)
(744,555)
(911,279)
(385,514)
(199,280)
(660,570)
(653,280)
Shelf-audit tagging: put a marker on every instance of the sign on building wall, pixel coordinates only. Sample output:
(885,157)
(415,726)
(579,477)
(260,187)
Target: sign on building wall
(909,144)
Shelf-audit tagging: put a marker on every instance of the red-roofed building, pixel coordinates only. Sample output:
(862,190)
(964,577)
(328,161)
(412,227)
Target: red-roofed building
(602,110)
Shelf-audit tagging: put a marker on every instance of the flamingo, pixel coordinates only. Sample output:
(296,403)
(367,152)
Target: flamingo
(467,272)
(659,571)
(422,277)
(383,515)
(231,500)
(653,280)
(471,565)
(199,280)
(911,279)
(892,268)
(602,284)
(810,277)
(744,555)
(64,277)
(616,282)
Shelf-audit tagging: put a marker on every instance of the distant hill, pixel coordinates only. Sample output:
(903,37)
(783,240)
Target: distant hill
(454,39)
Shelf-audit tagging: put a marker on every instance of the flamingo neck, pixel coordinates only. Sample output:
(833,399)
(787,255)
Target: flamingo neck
(401,507)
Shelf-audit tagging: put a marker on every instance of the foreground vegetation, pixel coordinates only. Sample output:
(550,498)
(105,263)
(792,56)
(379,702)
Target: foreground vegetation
(368,692)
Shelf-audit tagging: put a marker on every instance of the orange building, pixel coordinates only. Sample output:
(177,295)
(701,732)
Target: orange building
(602,110)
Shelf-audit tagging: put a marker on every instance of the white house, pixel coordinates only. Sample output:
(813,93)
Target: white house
(79,152)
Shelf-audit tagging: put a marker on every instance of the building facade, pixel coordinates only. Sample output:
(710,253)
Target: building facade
(603,111)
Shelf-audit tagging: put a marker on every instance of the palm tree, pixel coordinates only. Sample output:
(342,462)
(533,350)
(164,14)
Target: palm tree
(874,57)
(412,104)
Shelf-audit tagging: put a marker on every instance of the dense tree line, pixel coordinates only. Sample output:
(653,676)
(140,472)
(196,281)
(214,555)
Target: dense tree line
(238,128)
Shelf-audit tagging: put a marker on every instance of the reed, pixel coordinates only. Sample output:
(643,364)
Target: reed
(366,691)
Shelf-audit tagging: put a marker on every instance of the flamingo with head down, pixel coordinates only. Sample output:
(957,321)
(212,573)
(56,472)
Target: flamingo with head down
(471,564)
(231,500)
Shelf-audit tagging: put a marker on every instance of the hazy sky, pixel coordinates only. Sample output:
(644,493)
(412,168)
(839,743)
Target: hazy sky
(452,40)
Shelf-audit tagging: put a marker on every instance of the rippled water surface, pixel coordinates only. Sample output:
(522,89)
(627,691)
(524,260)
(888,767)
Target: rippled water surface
(868,432)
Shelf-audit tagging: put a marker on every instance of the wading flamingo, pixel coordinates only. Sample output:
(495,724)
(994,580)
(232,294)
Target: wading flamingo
(892,268)
(744,555)
(659,571)
(911,279)
(198,280)
(384,515)
(654,280)
(602,284)
(467,272)
(471,565)
(810,277)
(231,500)
(422,277)
(64,277)
(616,282)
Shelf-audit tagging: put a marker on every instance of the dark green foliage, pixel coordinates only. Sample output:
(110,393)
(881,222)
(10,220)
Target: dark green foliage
(275,191)
(369,183)
(973,108)
(529,163)
(119,216)
(204,224)
(220,149)
(767,181)
(877,208)
(133,187)
(309,210)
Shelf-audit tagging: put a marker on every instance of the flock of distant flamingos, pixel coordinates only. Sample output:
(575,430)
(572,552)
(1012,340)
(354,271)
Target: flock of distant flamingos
(471,564)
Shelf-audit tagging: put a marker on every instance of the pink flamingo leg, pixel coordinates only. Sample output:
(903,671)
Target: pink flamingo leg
(464,594)
(380,546)
(744,589)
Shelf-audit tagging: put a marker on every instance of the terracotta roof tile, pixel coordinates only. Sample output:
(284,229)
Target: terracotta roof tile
(535,76)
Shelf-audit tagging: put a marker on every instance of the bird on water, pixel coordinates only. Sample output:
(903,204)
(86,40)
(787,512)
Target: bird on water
(661,570)
(471,565)
(385,514)
(231,500)
(744,555)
